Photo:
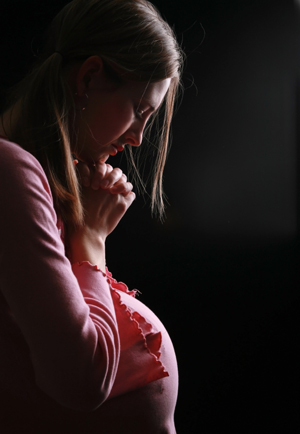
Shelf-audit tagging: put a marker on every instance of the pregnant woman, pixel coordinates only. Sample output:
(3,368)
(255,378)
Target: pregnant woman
(79,353)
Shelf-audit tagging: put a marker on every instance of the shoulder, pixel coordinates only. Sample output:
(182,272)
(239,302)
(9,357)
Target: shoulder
(18,166)
(12,153)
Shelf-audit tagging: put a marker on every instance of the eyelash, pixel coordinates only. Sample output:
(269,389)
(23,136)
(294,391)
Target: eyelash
(139,113)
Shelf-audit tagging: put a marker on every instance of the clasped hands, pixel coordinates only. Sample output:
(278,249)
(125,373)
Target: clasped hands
(106,196)
(102,175)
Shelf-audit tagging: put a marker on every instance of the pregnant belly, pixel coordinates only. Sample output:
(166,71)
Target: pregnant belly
(144,410)
(148,409)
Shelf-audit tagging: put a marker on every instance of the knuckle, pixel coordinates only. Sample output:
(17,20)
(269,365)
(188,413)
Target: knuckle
(121,205)
(118,171)
(109,167)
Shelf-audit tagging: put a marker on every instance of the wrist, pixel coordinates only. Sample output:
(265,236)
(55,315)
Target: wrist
(85,245)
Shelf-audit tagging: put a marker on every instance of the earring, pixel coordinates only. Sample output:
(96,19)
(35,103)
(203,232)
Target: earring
(83,108)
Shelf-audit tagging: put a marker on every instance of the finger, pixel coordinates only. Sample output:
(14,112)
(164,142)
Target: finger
(109,169)
(130,197)
(122,180)
(100,170)
(112,178)
(122,203)
(129,193)
(121,188)
(84,173)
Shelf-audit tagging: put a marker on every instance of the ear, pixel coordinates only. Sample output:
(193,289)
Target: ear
(89,75)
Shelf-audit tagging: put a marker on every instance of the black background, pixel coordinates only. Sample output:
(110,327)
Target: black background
(222,271)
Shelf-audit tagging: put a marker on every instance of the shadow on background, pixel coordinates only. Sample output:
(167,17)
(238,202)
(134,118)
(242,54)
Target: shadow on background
(222,271)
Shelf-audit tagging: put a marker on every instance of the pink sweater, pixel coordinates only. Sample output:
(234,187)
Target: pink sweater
(53,316)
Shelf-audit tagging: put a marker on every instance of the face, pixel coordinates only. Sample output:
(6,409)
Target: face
(115,116)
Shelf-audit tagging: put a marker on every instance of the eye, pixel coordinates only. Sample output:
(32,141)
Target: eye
(139,113)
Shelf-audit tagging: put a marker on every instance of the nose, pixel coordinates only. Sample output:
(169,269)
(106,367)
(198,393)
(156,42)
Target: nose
(134,134)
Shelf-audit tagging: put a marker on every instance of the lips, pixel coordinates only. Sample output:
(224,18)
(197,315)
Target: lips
(114,150)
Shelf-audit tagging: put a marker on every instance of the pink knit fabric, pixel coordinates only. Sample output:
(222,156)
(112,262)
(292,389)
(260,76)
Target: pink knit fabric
(75,332)
(140,341)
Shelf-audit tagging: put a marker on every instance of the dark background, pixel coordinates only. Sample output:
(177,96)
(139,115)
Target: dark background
(222,271)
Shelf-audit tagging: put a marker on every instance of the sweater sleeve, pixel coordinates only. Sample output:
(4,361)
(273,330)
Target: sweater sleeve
(71,330)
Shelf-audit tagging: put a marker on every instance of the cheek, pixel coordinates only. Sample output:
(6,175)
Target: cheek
(117,120)
(110,120)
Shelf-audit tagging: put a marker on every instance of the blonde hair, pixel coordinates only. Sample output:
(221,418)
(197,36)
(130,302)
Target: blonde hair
(129,34)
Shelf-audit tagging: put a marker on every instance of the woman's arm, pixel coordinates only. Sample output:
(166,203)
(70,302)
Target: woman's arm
(70,327)
(106,197)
